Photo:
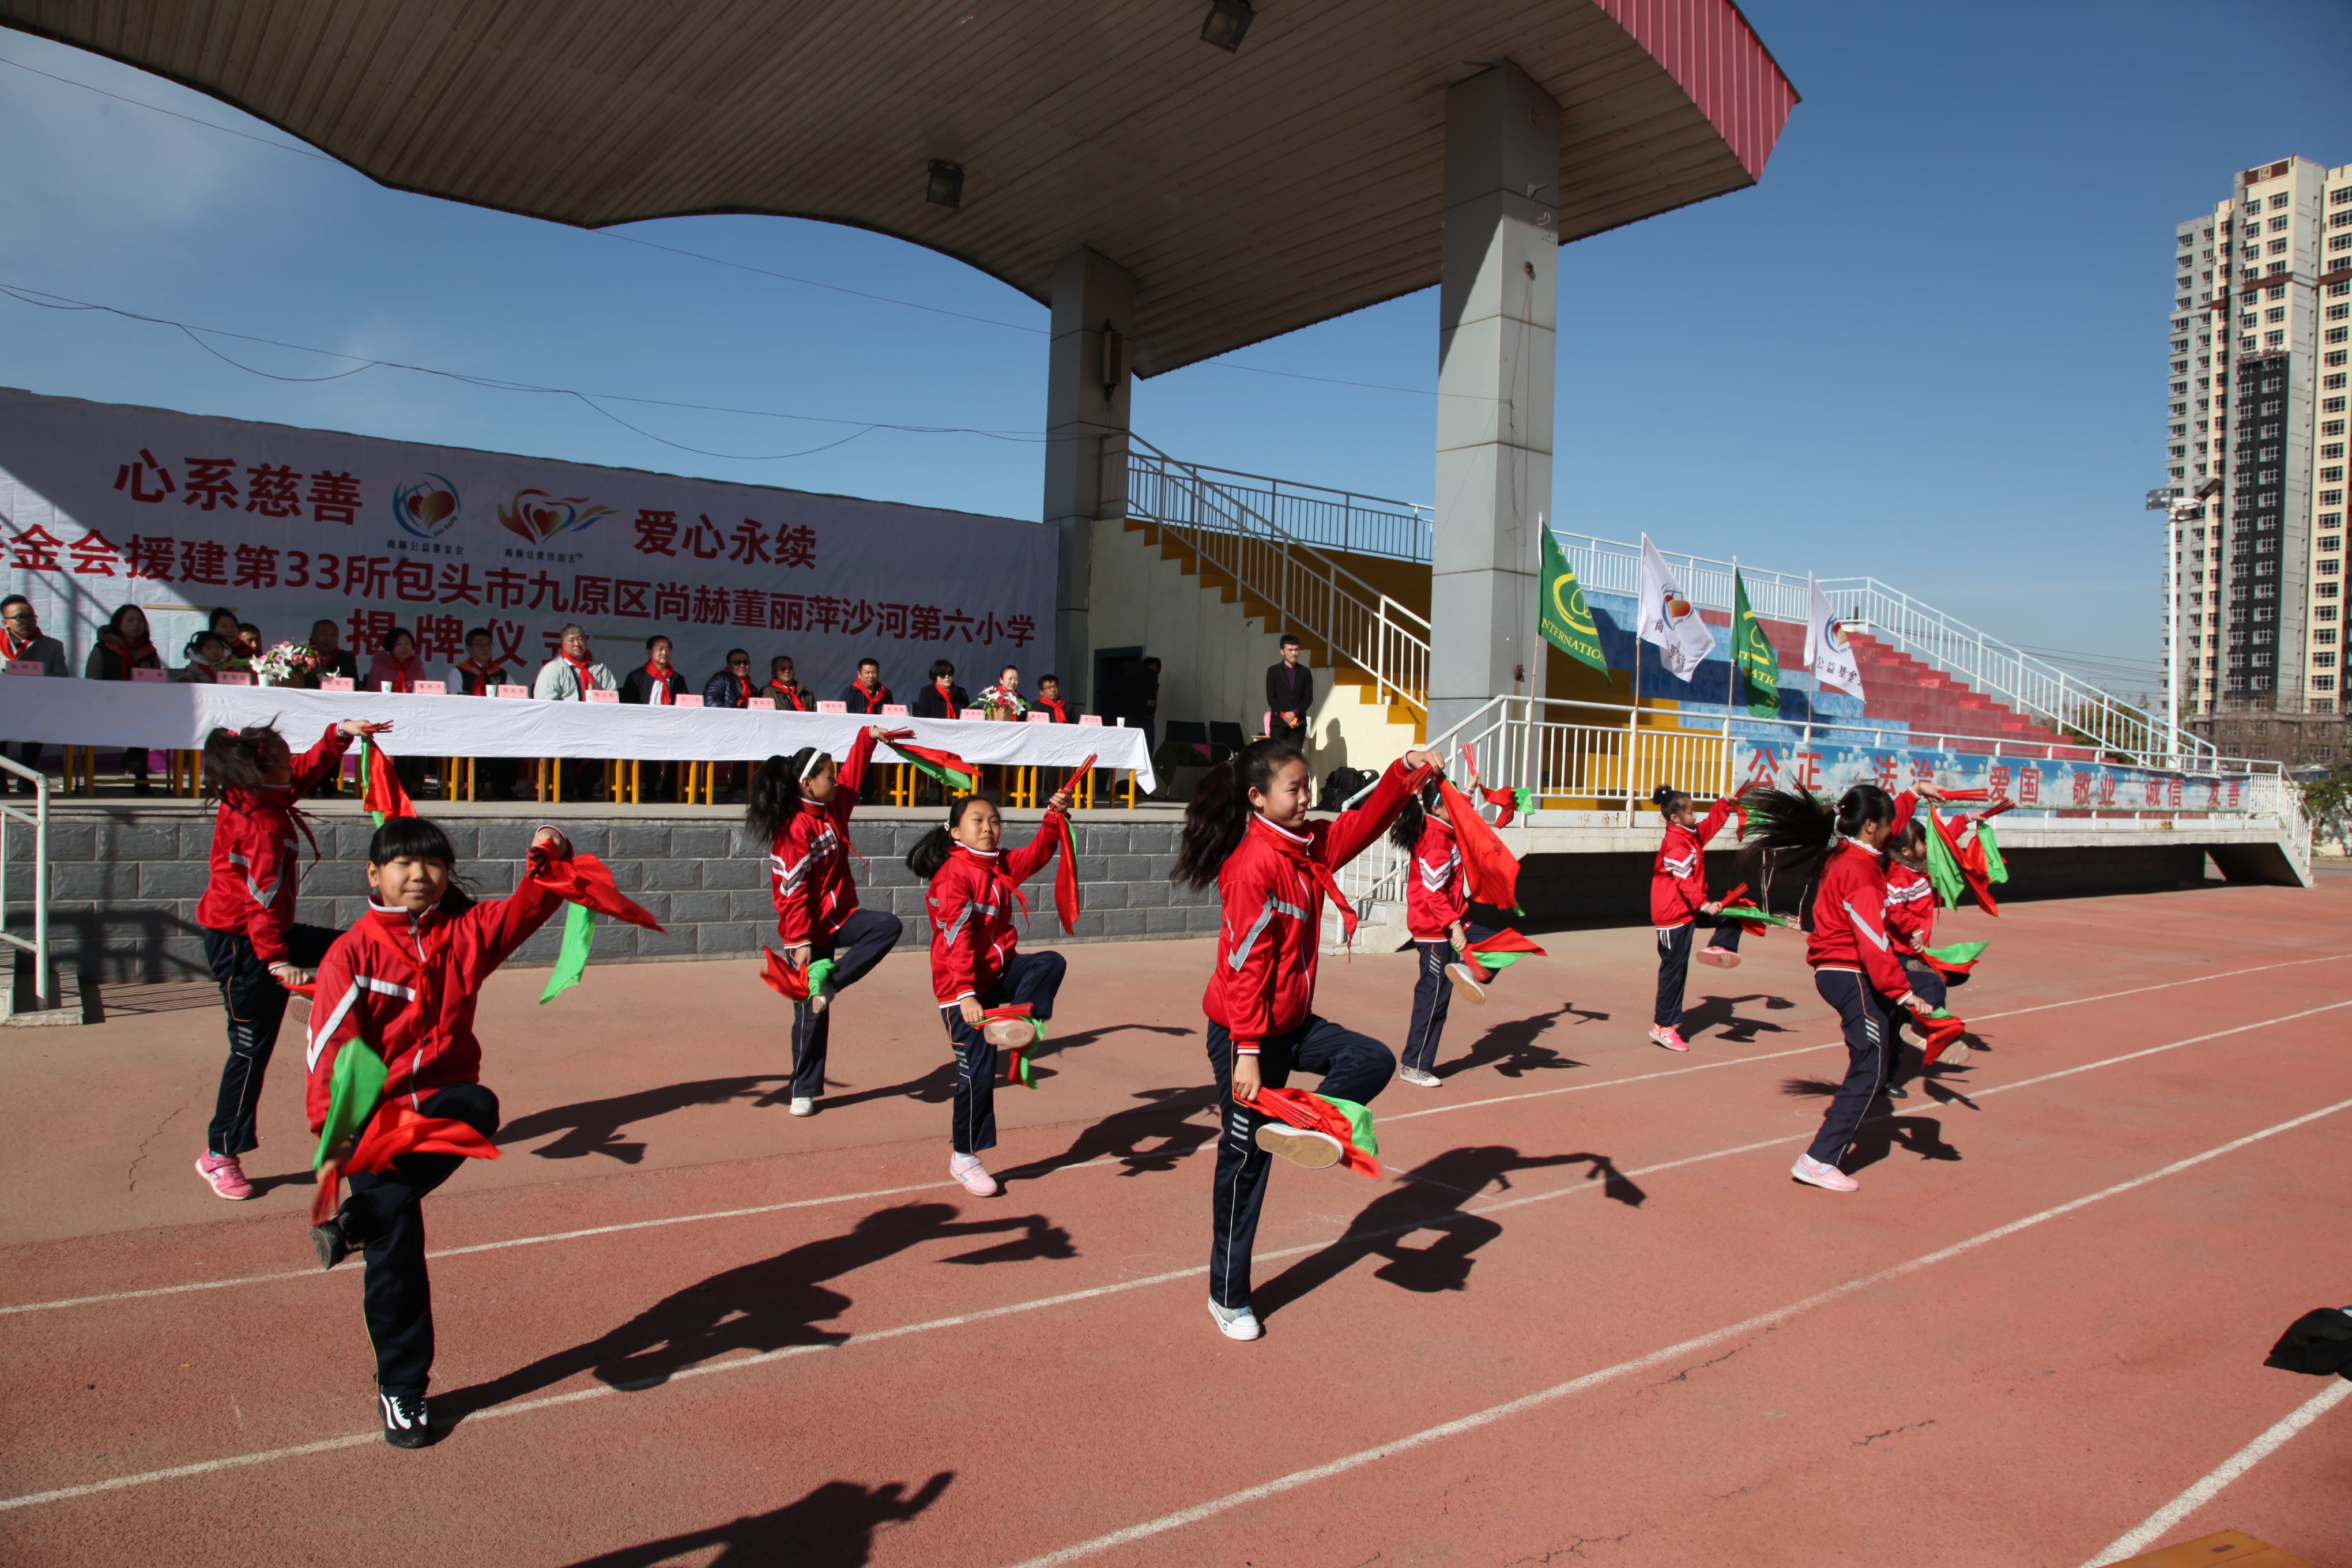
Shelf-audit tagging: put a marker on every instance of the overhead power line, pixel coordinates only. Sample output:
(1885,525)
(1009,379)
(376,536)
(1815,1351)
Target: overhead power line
(195,334)
(725,261)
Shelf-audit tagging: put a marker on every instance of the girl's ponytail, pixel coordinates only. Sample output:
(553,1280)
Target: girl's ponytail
(774,796)
(1667,799)
(1794,829)
(1405,832)
(932,850)
(1219,812)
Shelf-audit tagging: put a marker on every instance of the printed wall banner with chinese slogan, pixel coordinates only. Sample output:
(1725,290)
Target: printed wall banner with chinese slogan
(103,504)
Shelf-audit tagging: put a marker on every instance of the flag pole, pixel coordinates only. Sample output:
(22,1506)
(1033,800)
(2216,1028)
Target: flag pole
(1732,675)
(1633,719)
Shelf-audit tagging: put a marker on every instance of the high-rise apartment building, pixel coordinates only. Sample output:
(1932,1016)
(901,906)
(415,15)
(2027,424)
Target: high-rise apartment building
(2259,328)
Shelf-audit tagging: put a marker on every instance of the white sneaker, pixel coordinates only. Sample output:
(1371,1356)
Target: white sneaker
(967,1169)
(1299,1145)
(1237,1323)
(1418,1078)
(1467,983)
(1006,1032)
(1828,1177)
(803,1106)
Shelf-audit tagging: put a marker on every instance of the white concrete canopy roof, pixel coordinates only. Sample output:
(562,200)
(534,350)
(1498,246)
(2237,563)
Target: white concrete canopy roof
(1249,194)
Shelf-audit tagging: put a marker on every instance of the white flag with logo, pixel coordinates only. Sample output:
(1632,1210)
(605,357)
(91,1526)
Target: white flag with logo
(1670,622)
(1827,652)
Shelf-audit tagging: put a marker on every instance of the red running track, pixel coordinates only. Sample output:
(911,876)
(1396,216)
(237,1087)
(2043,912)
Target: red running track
(1588,1318)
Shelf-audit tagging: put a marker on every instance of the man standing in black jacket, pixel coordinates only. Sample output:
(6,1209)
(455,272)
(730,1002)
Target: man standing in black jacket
(1289,693)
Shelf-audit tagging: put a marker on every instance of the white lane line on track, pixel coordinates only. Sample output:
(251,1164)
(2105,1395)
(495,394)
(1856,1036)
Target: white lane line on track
(1801,1050)
(2158,1525)
(1576,1385)
(1120,1286)
(294,1274)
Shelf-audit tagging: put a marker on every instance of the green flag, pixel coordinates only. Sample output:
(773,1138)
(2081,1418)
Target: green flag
(1752,656)
(1561,613)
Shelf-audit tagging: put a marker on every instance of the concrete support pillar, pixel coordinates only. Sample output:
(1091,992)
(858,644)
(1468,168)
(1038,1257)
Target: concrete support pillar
(1498,318)
(1088,381)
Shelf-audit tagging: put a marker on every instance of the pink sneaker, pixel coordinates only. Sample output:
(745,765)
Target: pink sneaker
(226,1176)
(1829,1178)
(967,1169)
(1669,1039)
(1720,957)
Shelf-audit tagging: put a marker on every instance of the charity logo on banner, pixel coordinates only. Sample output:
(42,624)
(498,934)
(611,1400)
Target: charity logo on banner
(104,504)
(2035,784)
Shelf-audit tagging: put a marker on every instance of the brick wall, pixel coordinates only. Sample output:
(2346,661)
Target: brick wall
(124,883)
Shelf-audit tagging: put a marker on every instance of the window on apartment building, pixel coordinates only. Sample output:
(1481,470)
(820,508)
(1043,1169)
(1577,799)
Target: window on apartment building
(2322,662)
(2330,568)
(2278,248)
(2278,292)
(2277,202)
(2338,291)
(2276,313)
(2278,226)
(2278,267)
(2181,367)
(2331,384)
(2181,429)
(2272,340)
(2338,334)
(2340,195)
(2337,356)
(2246,320)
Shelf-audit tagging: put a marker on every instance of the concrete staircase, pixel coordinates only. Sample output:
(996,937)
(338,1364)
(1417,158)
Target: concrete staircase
(1932,702)
(1378,728)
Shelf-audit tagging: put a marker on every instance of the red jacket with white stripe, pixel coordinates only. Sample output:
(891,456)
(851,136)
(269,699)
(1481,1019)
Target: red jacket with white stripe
(1263,983)
(1678,877)
(971,903)
(808,866)
(404,986)
(1850,919)
(1437,893)
(256,873)
(1910,908)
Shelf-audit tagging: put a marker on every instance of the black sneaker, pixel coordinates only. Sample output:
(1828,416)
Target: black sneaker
(406,1424)
(329,1242)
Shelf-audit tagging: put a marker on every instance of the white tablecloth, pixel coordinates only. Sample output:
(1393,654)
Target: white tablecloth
(162,716)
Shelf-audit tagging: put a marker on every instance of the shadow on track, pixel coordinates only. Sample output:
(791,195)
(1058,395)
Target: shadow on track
(1429,1197)
(1165,1122)
(1883,1126)
(1510,1047)
(595,1126)
(832,1527)
(1722,1012)
(760,1306)
(937,1087)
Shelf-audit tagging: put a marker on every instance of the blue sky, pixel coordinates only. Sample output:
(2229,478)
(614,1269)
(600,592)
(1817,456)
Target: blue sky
(1927,346)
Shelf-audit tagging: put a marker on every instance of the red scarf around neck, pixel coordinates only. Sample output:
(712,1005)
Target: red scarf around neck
(660,679)
(403,674)
(13,649)
(481,674)
(580,669)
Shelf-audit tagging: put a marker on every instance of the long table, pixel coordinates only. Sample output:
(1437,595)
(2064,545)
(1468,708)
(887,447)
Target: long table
(172,717)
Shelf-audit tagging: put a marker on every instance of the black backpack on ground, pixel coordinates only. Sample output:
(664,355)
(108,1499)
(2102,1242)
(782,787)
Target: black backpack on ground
(1342,784)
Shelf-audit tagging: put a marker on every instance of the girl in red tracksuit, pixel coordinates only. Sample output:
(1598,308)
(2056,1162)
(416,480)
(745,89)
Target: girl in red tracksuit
(1855,968)
(251,939)
(1437,914)
(974,966)
(403,984)
(1679,905)
(1247,830)
(800,808)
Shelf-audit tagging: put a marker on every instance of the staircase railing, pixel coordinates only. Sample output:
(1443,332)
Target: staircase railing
(2006,674)
(1232,528)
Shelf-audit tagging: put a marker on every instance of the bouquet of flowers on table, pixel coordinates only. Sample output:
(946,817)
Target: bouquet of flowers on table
(996,702)
(287,664)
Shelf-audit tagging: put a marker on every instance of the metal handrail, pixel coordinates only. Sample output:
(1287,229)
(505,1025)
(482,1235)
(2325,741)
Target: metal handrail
(1998,671)
(1311,592)
(38,821)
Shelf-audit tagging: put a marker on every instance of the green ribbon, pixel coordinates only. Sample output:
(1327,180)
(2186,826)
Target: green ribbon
(1943,869)
(1495,960)
(1027,1076)
(1996,868)
(1524,798)
(572,958)
(1750,912)
(358,1090)
(1958,952)
(1359,1122)
(946,778)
